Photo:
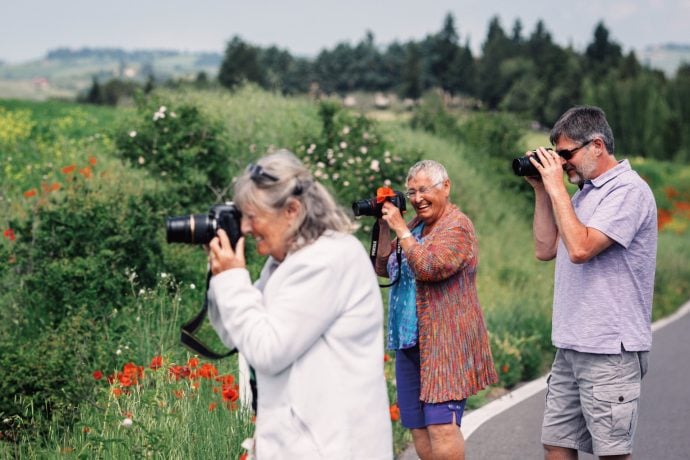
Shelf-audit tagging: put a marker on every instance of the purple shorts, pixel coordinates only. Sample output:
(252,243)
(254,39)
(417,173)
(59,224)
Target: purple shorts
(413,412)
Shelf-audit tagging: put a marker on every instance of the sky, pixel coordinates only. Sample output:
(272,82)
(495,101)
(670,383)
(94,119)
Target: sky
(28,29)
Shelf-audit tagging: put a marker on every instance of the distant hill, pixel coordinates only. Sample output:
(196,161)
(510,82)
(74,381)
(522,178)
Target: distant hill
(65,72)
(666,57)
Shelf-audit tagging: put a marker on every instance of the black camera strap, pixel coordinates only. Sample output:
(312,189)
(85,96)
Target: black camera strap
(188,330)
(189,340)
(374,248)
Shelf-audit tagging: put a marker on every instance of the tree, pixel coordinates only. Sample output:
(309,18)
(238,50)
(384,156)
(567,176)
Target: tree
(602,54)
(444,48)
(411,85)
(95,94)
(496,49)
(241,63)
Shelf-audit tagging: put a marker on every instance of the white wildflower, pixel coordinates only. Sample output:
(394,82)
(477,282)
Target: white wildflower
(118,352)
(346,130)
(343,145)
(141,160)
(363,149)
(375,166)
(127,422)
(192,286)
(132,134)
(164,275)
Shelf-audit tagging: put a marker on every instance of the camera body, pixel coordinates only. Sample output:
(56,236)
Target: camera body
(372,206)
(523,167)
(201,228)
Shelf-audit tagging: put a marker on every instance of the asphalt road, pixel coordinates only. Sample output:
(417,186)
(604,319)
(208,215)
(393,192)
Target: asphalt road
(510,427)
(663,430)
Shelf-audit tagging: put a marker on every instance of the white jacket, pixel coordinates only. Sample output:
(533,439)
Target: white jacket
(312,329)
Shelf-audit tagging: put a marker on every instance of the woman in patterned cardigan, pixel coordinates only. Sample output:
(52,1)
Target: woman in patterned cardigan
(435,321)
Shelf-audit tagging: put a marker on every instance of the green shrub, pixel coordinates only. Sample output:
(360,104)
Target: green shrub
(432,116)
(179,146)
(74,249)
(351,156)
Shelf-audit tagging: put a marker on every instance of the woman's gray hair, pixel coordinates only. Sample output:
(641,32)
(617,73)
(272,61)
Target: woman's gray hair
(433,169)
(281,176)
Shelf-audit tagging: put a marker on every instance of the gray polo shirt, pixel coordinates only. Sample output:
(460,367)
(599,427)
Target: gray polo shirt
(607,302)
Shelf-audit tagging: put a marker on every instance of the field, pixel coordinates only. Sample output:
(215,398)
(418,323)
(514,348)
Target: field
(92,297)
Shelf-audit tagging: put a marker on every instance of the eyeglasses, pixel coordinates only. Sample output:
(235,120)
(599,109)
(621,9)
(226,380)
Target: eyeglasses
(568,154)
(258,175)
(422,190)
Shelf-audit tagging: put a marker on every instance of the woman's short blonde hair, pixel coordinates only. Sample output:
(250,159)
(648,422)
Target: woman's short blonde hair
(279,177)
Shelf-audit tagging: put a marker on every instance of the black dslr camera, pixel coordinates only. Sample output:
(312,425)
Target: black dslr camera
(374,206)
(523,167)
(201,228)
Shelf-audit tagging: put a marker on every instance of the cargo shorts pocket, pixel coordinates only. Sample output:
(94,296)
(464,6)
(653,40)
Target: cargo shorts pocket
(622,399)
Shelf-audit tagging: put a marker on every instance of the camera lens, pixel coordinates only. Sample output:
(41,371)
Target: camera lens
(364,208)
(194,229)
(523,167)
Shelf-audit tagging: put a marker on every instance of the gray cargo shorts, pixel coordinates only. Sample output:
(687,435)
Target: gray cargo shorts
(592,401)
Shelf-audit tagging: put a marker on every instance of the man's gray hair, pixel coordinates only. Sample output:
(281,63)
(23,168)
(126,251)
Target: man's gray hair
(581,124)
(319,211)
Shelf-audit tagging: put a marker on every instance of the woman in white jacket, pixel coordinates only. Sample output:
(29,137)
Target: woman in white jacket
(311,326)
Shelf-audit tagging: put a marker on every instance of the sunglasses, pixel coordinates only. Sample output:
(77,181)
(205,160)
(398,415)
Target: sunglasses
(568,154)
(258,175)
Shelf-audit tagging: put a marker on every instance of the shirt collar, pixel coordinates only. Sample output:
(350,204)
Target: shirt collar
(622,167)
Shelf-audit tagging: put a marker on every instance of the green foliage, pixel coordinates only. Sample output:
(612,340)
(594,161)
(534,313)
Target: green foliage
(351,156)
(432,116)
(240,64)
(179,145)
(74,238)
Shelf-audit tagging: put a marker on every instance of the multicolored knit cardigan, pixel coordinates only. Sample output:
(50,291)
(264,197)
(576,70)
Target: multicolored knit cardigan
(455,354)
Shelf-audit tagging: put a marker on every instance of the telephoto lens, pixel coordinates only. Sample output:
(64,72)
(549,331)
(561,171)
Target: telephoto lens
(194,229)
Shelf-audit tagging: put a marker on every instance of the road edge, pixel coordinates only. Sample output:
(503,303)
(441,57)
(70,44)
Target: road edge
(474,419)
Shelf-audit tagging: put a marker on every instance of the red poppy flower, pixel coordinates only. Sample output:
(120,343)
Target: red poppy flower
(156,362)
(55,186)
(68,169)
(395,412)
(228,379)
(30,193)
(212,407)
(208,371)
(97,375)
(193,362)
(179,372)
(92,160)
(117,392)
(86,172)
(505,368)
(9,234)
(230,393)
(244,456)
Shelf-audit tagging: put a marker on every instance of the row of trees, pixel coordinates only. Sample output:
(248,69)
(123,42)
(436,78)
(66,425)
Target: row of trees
(529,75)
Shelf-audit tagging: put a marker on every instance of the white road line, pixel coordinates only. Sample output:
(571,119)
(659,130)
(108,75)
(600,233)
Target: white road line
(474,419)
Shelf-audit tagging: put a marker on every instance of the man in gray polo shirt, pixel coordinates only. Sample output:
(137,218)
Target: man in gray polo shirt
(604,241)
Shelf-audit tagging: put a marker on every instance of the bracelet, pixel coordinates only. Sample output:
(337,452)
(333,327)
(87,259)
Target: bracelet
(405,235)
